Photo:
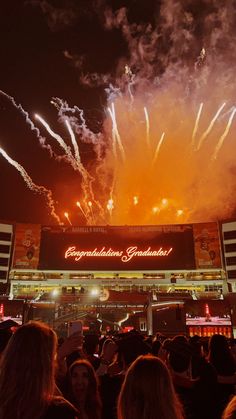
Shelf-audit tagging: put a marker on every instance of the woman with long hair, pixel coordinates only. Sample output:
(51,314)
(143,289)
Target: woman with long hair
(220,355)
(223,361)
(147,392)
(84,389)
(27,385)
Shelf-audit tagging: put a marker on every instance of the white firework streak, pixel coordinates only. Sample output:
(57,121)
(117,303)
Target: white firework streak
(147,126)
(196,124)
(60,141)
(28,121)
(32,186)
(158,148)
(223,136)
(81,128)
(68,218)
(75,161)
(74,142)
(115,132)
(87,185)
(208,130)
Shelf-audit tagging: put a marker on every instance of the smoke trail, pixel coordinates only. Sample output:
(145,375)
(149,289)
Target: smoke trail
(32,186)
(74,142)
(75,162)
(28,121)
(60,141)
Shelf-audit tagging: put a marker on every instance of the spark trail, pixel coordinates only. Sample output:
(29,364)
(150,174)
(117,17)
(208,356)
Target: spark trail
(196,123)
(147,126)
(115,132)
(74,142)
(75,161)
(32,186)
(225,133)
(158,148)
(207,132)
(60,141)
(67,217)
(28,121)
(81,209)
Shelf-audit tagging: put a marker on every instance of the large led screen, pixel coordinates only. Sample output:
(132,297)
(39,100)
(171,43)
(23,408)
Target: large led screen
(117,248)
(207,313)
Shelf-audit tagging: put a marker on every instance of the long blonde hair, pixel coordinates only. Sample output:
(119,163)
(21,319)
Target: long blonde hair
(147,392)
(27,372)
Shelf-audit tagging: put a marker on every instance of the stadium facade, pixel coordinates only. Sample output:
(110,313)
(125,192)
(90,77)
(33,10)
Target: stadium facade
(112,264)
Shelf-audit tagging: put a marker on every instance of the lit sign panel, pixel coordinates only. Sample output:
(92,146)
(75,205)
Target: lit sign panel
(117,248)
(125,256)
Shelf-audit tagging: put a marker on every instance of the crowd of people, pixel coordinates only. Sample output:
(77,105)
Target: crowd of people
(126,376)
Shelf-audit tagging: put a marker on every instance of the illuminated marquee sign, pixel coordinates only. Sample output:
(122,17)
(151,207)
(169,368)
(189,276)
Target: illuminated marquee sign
(117,248)
(124,255)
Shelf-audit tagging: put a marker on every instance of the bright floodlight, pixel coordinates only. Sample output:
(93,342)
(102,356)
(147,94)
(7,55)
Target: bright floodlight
(55,292)
(94,292)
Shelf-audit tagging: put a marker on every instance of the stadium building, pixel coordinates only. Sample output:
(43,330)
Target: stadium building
(113,272)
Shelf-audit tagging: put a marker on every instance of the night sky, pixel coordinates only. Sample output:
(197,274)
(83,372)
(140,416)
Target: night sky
(33,70)
(56,49)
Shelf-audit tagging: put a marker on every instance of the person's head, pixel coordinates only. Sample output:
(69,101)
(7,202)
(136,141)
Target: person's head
(130,347)
(220,355)
(27,371)
(180,353)
(218,344)
(84,385)
(147,391)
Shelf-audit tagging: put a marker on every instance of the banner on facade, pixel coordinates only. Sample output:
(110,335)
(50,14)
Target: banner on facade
(207,246)
(26,246)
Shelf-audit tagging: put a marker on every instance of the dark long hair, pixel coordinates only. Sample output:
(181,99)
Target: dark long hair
(147,392)
(220,355)
(27,372)
(93,403)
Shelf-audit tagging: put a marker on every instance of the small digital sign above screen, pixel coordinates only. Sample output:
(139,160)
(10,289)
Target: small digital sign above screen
(117,248)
